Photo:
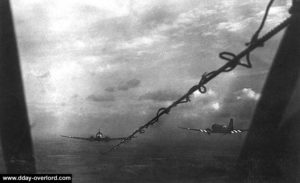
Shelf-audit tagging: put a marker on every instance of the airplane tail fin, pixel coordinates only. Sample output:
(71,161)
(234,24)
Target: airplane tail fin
(230,126)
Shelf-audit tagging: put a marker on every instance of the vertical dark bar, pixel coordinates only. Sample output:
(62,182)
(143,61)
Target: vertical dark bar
(263,152)
(14,124)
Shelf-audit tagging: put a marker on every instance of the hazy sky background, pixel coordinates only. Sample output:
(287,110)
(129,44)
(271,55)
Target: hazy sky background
(111,64)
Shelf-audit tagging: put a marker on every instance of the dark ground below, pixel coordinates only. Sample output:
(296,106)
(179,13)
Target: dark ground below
(186,161)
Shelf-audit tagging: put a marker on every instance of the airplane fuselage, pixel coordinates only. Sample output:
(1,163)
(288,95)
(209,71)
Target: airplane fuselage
(105,138)
(220,131)
(216,128)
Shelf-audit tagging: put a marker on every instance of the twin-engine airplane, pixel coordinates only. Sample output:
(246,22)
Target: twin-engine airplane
(99,137)
(217,128)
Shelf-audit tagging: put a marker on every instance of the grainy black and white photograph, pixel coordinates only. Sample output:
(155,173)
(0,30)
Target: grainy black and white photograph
(150,91)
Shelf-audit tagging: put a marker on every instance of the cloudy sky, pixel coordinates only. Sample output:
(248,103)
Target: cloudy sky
(112,64)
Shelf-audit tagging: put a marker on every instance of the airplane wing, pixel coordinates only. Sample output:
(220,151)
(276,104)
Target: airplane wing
(238,131)
(116,138)
(194,129)
(80,138)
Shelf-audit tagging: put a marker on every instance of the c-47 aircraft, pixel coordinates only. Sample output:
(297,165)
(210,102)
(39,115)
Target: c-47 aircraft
(217,128)
(99,137)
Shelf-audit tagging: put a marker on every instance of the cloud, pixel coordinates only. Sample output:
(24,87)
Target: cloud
(100,98)
(42,75)
(231,26)
(74,96)
(124,86)
(160,96)
(239,104)
(161,42)
(133,83)
(110,89)
(247,93)
(157,15)
(137,43)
